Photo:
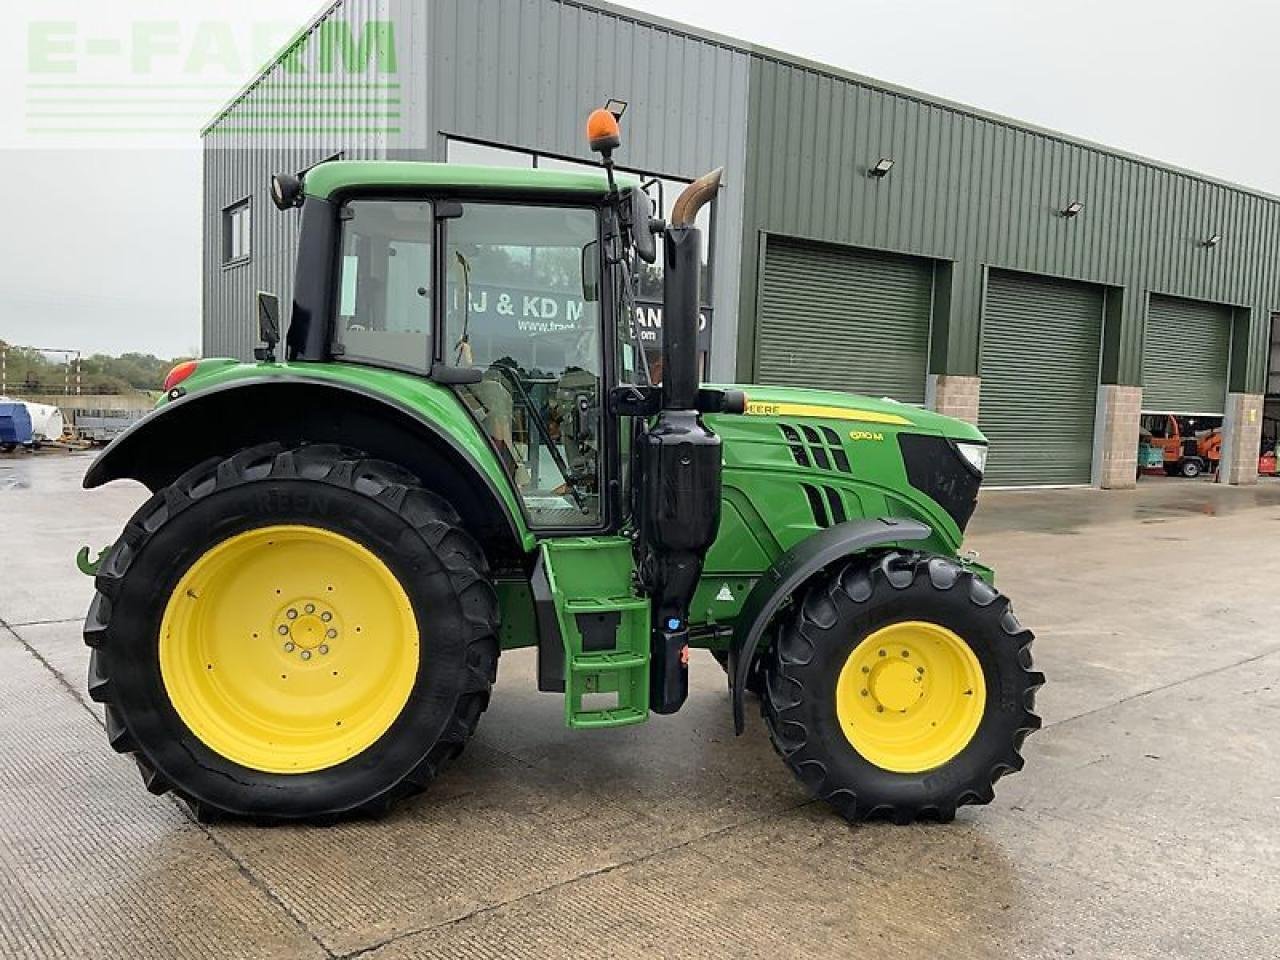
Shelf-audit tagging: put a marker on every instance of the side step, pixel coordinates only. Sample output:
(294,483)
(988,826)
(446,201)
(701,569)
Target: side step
(605,629)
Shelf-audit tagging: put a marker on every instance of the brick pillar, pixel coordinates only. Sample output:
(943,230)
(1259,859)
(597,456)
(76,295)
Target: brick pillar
(954,395)
(1241,437)
(1117,449)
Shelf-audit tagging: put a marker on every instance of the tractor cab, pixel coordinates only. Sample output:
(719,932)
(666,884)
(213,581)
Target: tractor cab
(517,322)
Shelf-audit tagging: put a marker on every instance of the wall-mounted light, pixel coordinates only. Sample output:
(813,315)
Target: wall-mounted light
(1072,209)
(1213,241)
(616,107)
(881,169)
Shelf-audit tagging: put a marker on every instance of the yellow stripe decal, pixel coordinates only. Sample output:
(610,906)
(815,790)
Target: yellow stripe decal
(758,408)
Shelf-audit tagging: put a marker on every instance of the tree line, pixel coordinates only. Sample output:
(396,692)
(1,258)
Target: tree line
(28,371)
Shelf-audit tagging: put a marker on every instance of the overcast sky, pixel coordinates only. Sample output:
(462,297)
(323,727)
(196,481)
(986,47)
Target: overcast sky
(102,248)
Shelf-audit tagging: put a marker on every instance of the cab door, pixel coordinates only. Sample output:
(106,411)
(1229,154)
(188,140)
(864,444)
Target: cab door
(517,280)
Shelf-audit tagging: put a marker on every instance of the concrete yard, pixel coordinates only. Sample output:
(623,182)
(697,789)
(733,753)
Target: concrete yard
(1146,824)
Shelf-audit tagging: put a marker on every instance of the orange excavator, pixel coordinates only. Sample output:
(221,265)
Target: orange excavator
(1190,445)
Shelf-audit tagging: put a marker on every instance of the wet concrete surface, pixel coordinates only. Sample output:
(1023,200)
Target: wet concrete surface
(1145,824)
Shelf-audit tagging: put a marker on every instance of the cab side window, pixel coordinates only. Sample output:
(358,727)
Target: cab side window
(384,294)
(520,306)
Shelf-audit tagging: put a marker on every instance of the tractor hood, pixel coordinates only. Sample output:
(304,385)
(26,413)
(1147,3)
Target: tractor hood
(832,405)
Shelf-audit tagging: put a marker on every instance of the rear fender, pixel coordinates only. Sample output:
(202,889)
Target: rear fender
(788,573)
(293,409)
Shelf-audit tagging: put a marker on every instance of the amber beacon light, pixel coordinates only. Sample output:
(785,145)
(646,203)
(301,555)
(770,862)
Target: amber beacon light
(603,133)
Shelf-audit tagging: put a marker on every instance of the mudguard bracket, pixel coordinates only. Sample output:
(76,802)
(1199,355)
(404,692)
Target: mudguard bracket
(792,569)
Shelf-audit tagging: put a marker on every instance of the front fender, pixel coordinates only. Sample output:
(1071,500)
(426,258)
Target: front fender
(791,570)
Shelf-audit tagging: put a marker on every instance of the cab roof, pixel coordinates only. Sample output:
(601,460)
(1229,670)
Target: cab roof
(326,179)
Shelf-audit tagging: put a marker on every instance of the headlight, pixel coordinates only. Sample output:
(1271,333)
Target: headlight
(976,454)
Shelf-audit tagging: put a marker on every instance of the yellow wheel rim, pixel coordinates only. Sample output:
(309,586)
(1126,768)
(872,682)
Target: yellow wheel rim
(910,696)
(288,649)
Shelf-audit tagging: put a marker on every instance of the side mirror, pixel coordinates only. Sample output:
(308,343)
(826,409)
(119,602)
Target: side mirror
(591,272)
(642,236)
(268,325)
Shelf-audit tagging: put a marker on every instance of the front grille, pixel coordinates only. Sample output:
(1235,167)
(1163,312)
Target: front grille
(936,468)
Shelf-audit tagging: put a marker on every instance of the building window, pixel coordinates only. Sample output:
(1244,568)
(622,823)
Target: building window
(236,231)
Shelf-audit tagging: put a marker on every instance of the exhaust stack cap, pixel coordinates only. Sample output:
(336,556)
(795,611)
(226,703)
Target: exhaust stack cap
(694,197)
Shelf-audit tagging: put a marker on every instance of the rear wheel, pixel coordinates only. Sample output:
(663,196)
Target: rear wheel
(293,634)
(1190,469)
(901,688)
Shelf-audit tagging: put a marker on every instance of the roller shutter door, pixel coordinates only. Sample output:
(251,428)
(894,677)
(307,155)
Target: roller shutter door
(844,319)
(1184,360)
(1041,340)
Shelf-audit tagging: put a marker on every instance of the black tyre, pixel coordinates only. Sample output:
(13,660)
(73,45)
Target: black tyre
(1190,469)
(901,688)
(376,612)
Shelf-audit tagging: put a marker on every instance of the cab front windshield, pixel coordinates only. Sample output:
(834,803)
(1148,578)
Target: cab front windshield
(522,303)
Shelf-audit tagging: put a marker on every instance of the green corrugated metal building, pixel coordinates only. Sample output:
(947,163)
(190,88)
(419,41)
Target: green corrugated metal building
(868,237)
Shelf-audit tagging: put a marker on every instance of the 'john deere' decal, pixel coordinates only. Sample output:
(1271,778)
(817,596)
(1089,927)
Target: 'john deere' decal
(760,408)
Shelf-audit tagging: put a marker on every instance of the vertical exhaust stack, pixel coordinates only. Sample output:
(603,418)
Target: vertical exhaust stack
(682,293)
(678,463)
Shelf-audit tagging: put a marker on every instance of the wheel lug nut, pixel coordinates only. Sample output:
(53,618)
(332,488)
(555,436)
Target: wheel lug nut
(292,614)
(865,692)
(282,629)
(879,709)
(326,616)
(289,647)
(310,608)
(906,653)
(919,669)
(331,634)
(306,654)
(866,669)
(882,653)
(324,648)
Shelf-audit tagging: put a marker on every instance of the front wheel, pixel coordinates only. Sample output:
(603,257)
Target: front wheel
(1191,469)
(901,688)
(292,634)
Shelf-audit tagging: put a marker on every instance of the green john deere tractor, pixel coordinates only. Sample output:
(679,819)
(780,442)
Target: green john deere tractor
(463,452)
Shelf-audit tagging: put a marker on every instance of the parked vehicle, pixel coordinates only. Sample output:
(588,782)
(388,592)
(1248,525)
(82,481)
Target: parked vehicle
(1150,456)
(1191,446)
(103,426)
(462,454)
(15,425)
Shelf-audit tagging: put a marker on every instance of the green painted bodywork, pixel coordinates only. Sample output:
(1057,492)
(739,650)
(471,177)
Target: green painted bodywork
(329,178)
(436,403)
(851,466)
(764,510)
